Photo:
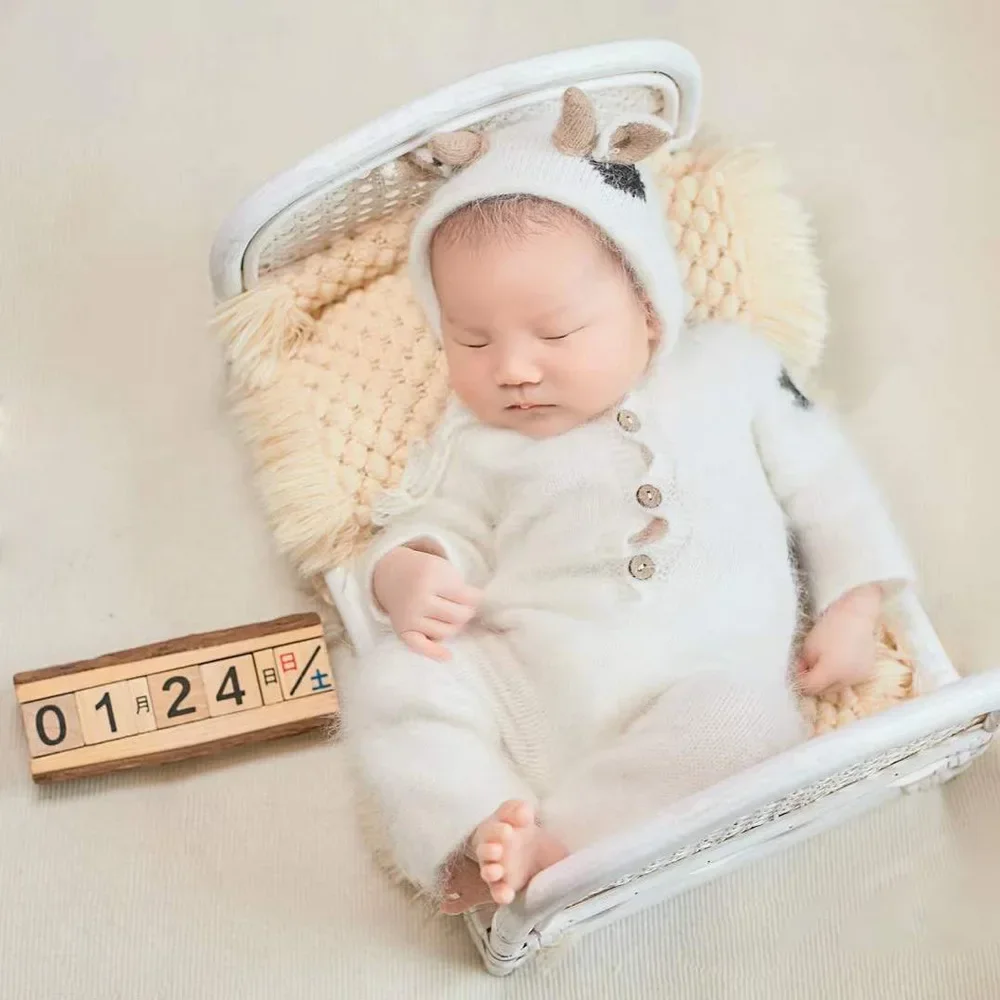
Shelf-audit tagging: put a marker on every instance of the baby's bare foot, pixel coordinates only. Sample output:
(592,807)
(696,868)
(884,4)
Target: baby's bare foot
(511,849)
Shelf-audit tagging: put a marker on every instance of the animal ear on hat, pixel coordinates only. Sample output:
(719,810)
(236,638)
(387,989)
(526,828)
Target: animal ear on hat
(576,131)
(626,142)
(458,149)
(633,141)
(448,151)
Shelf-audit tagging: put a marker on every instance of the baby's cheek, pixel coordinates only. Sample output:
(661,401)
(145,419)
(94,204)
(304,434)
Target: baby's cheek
(608,372)
(470,383)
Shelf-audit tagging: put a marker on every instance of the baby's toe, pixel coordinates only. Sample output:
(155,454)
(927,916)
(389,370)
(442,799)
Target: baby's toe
(489,851)
(502,894)
(516,812)
(492,834)
(492,873)
(498,833)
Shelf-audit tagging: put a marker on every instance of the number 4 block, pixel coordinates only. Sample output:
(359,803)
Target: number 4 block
(177,699)
(231,685)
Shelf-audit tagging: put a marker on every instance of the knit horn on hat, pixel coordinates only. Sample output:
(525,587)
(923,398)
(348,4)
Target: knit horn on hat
(625,143)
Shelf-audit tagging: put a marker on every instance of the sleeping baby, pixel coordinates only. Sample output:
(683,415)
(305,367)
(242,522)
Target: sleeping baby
(590,603)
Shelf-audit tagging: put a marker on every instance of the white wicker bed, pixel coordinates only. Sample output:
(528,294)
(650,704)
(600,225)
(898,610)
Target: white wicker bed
(818,784)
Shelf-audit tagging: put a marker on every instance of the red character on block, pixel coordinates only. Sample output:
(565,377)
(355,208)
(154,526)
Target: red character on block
(288,662)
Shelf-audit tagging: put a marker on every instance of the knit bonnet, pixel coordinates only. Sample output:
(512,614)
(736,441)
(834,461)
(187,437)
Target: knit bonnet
(571,161)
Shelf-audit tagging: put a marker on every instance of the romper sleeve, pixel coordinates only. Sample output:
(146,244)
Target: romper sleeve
(454,520)
(846,535)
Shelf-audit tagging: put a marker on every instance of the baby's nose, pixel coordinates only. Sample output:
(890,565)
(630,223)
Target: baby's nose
(517,368)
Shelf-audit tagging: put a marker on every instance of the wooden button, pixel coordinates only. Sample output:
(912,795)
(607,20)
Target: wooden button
(649,496)
(628,421)
(641,567)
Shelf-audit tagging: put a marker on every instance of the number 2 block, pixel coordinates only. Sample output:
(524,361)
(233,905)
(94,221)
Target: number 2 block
(178,696)
(231,685)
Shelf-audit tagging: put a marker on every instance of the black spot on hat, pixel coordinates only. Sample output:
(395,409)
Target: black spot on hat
(786,383)
(622,176)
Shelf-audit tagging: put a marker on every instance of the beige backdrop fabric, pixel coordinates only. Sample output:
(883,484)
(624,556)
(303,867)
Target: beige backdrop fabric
(127,131)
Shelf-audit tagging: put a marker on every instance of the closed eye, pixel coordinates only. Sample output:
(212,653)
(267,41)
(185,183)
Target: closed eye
(457,332)
(563,336)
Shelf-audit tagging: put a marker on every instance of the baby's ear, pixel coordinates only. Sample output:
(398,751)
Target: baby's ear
(654,325)
(635,140)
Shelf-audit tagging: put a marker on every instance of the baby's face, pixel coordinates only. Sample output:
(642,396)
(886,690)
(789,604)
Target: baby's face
(542,332)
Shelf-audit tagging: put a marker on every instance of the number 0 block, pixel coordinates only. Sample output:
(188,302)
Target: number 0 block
(177,699)
(52,725)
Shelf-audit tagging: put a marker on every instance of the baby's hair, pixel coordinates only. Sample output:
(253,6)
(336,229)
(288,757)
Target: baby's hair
(512,217)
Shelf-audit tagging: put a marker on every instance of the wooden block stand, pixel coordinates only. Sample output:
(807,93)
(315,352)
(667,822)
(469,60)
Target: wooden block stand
(177,699)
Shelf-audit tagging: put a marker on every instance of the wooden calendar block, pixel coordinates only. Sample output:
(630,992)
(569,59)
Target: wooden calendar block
(267,676)
(176,699)
(231,685)
(142,704)
(52,725)
(303,669)
(107,712)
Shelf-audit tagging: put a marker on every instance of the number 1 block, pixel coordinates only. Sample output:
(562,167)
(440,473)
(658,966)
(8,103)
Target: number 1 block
(107,713)
(177,699)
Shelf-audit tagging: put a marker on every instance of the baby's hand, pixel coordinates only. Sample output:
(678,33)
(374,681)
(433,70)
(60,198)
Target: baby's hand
(425,598)
(840,648)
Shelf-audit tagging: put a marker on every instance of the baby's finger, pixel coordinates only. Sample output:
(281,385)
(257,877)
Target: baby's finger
(451,612)
(816,679)
(462,593)
(808,655)
(419,643)
(436,630)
